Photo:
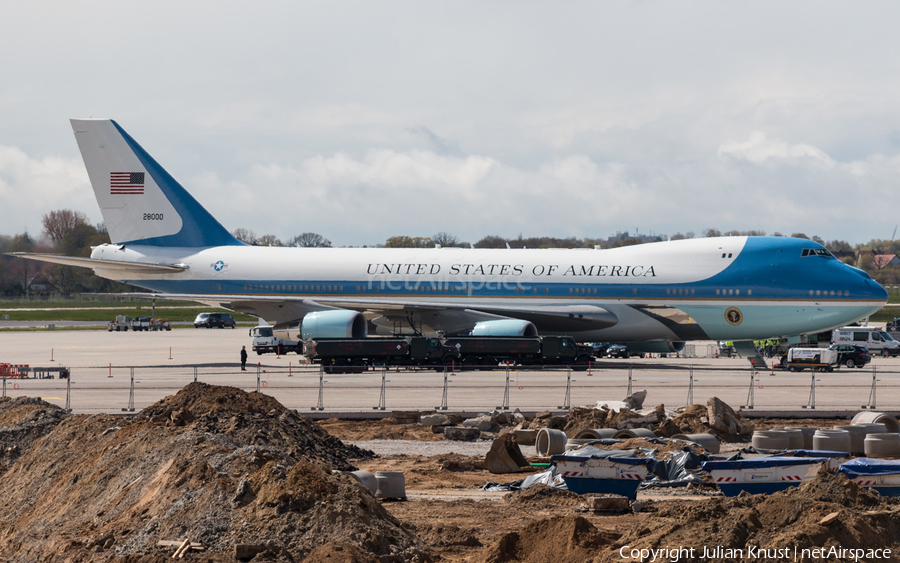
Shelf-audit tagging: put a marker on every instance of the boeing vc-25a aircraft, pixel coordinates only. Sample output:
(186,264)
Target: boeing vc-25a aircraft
(651,296)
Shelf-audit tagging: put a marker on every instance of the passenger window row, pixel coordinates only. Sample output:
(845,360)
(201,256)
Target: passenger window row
(455,289)
(294,288)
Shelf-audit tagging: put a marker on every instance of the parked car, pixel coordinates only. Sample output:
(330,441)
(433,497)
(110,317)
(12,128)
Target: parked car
(598,348)
(210,320)
(618,351)
(852,356)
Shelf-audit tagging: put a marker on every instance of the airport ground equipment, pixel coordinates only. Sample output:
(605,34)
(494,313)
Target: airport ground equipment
(265,341)
(147,323)
(14,370)
(122,323)
(354,355)
(488,352)
(816,359)
(61,372)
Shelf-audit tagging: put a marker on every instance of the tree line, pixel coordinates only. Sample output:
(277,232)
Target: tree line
(70,233)
(64,232)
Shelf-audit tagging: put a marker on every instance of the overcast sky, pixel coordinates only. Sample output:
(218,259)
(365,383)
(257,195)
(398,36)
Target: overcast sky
(365,120)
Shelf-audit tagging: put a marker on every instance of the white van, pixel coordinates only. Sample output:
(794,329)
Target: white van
(875,339)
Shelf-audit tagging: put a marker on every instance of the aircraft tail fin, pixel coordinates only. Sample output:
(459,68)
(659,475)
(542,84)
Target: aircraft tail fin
(141,203)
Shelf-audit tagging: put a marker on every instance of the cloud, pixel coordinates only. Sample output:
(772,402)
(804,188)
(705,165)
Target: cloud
(759,149)
(31,187)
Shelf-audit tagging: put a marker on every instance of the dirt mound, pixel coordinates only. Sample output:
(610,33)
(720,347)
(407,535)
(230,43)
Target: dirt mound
(582,418)
(562,539)
(444,535)
(22,421)
(828,511)
(260,475)
(335,552)
(311,504)
(215,409)
(205,398)
(692,420)
(540,496)
(671,446)
(716,418)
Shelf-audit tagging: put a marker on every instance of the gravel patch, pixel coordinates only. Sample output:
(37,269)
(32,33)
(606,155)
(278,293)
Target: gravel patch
(413,447)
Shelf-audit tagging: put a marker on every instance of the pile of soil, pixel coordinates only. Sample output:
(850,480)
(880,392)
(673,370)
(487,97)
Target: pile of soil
(561,539)
(827,511)
(583,418)
(254,419)
(715,417)
(540,495)
(22,421)
(214,465)
(662,449)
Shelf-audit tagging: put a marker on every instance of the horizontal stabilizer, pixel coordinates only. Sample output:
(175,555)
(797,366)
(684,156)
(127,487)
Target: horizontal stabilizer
(111,266)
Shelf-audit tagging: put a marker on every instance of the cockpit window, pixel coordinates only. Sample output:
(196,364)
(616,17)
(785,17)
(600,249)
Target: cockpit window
(816,252)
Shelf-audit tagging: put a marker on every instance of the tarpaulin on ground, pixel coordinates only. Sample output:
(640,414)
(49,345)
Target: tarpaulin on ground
(868,466)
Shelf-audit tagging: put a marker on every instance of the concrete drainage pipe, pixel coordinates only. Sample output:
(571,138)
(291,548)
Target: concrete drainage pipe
(550,442)
(707,441)
(634,433)
(832,440)
(596,433)
(366,479)
(882,445)
(391,484)
(890,422)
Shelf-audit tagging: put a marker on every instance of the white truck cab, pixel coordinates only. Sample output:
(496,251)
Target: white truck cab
(265,341)
(875,339)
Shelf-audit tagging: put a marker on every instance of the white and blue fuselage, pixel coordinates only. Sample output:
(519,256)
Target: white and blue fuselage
(730,288)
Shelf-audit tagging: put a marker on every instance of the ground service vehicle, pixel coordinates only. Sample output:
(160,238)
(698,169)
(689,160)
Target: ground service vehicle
(356,355)
(210,320)
(488,352)
(851,356)
(122,323)
(265,341)
(147,323)
(816,359)
(876,340)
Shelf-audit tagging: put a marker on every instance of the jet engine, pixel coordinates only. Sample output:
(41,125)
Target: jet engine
(337,323)
(504,327)
(658,347)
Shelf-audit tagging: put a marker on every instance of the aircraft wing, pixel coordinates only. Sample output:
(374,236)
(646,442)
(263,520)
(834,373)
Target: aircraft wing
(453,317)
(108,266)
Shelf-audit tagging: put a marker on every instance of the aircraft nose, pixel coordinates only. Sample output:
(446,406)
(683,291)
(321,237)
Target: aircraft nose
(878,292)
(864,286)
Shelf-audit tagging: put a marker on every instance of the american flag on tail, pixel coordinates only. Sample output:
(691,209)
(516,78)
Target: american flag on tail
(126,183)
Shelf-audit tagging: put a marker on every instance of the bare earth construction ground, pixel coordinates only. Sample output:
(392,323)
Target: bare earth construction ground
(246,479)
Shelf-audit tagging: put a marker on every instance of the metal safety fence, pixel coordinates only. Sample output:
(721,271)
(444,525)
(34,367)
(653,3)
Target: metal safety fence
(130,388)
